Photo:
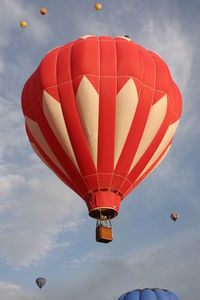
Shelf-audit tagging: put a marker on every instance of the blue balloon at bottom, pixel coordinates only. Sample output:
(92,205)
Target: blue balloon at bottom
(149,294)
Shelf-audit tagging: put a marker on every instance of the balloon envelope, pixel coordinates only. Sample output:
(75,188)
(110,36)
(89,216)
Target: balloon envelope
(43,11)
(174,216)
(40,282)
(23,24)
(149,294)
(101,112)
(98,6)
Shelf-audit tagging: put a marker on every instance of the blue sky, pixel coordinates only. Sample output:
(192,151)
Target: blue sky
(44,227)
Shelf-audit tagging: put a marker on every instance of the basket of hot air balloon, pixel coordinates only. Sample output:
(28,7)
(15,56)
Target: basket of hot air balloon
(103,230)
(101,113)
(147,294)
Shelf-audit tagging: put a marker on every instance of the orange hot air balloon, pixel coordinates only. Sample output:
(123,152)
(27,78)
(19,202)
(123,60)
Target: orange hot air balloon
(23,24)
(101,120)
(98,6)
(174,216)
(43,11)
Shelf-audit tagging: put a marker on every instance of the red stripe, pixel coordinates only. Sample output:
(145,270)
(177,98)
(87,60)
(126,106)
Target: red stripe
(107,110)
(75,130)
(148,154)
(126,191)
(136,131)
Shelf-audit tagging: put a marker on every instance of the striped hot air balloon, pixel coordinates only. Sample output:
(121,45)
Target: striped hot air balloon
(101,112)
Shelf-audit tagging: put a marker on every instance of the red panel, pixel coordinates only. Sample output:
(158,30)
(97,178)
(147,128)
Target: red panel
(104,199)
(163,77)
(129,60)
(148,66)
(48,66)
(64,65)
(107,109)
(85,57)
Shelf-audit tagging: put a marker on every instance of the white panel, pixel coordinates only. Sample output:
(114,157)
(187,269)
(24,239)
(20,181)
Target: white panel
(165,141)
(54,116)
(39,138)
(154,121)
(126,104)
(87,100)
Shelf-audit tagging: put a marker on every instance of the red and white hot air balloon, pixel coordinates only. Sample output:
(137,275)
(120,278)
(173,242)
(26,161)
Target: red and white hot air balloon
(101,112)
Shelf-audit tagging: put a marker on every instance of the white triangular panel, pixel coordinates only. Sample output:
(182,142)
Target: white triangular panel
(87,100)
(126,104)
(154,121)
(165,141)
(41,141)
(54,116)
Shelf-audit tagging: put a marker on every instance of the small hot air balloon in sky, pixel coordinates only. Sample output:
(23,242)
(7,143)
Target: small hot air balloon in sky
(174,216)
(147,294)
(102,121)
(23,24)
(98,6)
(40,282)
(43,11)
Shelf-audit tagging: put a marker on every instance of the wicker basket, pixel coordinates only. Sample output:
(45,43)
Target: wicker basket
(103,234)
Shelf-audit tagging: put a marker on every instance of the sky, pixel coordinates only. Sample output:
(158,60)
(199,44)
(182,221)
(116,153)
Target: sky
(45,230)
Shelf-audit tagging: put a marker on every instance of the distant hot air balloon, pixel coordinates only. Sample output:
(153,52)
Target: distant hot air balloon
(98,6)
(101,112)
(23,24)
(174,216)
(40,282)
(43,11)
(148,294)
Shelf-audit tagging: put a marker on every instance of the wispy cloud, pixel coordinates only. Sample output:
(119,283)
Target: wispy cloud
(10,291)
(34,206)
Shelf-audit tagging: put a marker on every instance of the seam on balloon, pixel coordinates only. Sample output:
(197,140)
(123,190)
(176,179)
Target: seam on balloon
(98,118)
(115,109)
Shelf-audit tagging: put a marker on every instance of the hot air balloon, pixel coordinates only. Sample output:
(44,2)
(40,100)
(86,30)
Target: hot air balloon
(43,11)
(40,282)
(23,24)
(174,216)
(98,6)
(147,294)
(101,113)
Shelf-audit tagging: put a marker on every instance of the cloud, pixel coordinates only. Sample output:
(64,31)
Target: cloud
(36,218)
(10,291)
(35,207)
